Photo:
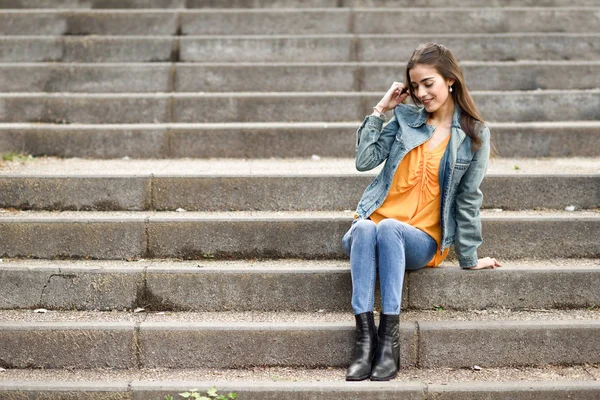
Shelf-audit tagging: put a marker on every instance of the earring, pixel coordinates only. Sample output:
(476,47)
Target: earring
(450,89)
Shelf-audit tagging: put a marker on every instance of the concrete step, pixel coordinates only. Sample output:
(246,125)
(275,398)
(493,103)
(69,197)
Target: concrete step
(264,140)
(293,390)
(121,22)
(197,235)
(497,106)
(375,47)
(298,21)
(87,4)
(280,77)
(287,285)
(522,383)
(290,48)
(88,49)
(117,4)
(429,339)
(227,184)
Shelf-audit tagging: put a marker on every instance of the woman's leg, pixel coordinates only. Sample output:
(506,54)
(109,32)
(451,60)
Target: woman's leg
(400,247)
(360,244)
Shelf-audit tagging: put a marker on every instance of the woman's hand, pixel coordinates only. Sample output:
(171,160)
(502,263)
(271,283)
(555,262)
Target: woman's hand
(485,263)
(393,97)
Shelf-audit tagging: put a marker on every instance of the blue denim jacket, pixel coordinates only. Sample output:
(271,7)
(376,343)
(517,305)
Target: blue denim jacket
(460,174)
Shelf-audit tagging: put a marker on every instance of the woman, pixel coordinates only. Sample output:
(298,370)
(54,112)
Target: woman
(425,198)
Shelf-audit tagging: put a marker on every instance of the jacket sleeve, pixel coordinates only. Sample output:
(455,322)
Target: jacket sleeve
(373,141)
(468,202)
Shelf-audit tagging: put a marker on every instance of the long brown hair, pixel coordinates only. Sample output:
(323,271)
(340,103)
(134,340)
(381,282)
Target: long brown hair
(442,59)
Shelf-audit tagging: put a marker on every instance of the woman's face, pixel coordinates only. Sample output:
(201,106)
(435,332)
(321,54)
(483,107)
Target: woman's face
(429,87)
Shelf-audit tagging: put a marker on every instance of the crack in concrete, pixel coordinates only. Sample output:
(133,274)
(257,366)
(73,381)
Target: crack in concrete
(60,275)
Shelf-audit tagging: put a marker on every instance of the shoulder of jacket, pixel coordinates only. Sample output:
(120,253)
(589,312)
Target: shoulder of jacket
(408,112)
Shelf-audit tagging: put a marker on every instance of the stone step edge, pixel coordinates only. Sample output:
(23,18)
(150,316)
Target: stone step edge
(271,125)
(169,345)
(161,95)
(415,326)
(187,64)
(304,36)
(517,390)
(250,216)
(282,10)
(79,286)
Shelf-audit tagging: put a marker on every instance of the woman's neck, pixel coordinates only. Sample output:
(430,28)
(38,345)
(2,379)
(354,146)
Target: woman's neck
(443,115)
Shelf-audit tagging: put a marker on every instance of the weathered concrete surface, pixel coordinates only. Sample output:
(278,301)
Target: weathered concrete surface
(101,4)
(255,345)
(73,238)
(75,193)
(93,141)
(67,345)
(191,238)
(269,290)
(367,47)
(265,22)
(545,140)
(211,286)
(261,3)
(267,49)
(262,142)
(86,49)
(465,344)
(413,390)
(482,20)
(87,4)
(84,108)
(556,139)
(513,288)
(485,47)
(102,289)
(266,235)
(66,390)
(257,193)
(266,193)
(151,23)
(514,390)
(291,390)
(85,78)
(526,237)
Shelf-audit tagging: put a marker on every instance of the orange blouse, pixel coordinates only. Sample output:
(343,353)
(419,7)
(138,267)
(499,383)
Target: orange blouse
(415,195)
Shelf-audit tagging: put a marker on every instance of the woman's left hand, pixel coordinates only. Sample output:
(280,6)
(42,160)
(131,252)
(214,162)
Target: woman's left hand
(484,263)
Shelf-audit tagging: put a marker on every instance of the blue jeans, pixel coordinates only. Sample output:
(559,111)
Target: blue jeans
(390,246)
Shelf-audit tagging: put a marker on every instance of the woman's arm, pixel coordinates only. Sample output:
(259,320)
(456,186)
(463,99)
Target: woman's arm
(468,202)
(373,140)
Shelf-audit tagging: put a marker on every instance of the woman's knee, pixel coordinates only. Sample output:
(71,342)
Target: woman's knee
(364,227)
(390,226)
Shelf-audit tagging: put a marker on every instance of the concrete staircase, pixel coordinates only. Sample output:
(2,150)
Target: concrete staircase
(191,175)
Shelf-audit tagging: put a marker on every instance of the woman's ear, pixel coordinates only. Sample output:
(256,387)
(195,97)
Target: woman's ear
(450,82)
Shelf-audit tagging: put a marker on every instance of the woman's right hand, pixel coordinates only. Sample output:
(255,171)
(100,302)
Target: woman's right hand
(393,97)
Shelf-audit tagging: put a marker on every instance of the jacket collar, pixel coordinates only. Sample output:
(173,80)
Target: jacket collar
(420,117)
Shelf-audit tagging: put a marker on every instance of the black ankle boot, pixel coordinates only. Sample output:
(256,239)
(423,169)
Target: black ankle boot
(387,356)
(366,343)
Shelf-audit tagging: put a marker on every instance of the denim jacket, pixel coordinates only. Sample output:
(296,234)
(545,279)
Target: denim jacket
(460,174)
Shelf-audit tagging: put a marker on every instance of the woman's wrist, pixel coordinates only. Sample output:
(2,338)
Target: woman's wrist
(380,108)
